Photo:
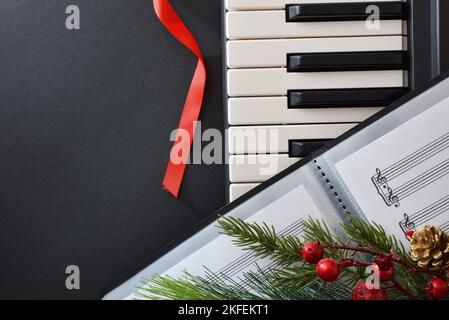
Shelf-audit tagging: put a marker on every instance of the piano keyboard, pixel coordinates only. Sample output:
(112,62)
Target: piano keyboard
(303,72)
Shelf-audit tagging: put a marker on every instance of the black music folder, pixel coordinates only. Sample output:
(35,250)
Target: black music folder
(392,169)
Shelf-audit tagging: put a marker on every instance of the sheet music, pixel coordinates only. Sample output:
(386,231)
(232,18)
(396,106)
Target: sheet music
(401,180)
(286,215)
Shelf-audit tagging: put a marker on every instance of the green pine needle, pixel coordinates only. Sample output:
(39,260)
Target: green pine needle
(373,235)
(262,240)
(290,278)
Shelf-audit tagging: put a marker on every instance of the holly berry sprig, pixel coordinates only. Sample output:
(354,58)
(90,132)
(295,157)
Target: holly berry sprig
(383,265)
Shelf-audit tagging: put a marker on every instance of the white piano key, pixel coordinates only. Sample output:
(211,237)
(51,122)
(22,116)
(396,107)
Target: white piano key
(238,190)
(274,139)
(258,168)
(273,53)
(274,110)
(276,81)
(280,4)
(272,24)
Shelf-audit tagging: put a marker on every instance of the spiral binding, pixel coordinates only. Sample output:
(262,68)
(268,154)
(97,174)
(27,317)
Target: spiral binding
(332,189)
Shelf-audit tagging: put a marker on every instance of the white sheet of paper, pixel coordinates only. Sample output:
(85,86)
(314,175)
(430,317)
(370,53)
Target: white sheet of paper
(410,166)
(286,215)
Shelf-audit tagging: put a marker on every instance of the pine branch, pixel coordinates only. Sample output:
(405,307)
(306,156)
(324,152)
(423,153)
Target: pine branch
(266,283)
(302,278)
(317,230)
(255,285)
(289,277)
(374,236)
(262,240)
(290,272)
(190,287)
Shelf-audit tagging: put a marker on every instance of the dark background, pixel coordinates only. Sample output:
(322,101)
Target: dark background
(85,119)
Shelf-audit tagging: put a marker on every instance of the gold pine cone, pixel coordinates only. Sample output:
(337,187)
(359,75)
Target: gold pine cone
(430,248)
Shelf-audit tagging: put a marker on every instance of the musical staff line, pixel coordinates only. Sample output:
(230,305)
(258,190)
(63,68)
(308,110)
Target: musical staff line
(424,216)
(423,180)
(414,159)
(445,227)
(382,180)
(238,265)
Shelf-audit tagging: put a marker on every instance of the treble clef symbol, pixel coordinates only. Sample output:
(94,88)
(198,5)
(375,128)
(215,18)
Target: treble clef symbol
(409,225)
(393,198)
(380,179)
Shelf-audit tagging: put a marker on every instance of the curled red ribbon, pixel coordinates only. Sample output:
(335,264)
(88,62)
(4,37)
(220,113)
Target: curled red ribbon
(192,107)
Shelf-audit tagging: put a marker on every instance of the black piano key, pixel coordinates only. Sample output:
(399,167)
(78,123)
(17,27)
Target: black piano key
(336,98)
(302,148)
(311,12)
(347,61)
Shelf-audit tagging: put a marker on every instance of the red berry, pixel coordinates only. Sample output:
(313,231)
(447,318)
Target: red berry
(328,270)
(410,234)
(437,288)
(384,272)
(312,252)
(361,292)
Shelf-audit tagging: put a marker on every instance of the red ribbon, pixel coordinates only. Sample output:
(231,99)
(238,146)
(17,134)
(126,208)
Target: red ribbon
(192,107)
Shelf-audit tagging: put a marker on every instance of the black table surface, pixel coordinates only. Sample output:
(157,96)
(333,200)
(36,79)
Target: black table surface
(85,119)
